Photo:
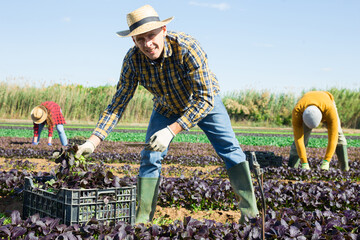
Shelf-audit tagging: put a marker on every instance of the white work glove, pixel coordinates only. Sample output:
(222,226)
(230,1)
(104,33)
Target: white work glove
(325,165)
(305,166)
(160,140)
(85,149)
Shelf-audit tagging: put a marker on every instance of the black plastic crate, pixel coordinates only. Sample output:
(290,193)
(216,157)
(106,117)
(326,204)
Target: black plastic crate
(77,140)
(276,161)
(80,205)
(265,159)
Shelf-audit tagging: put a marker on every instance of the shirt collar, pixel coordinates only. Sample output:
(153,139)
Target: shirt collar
(167,48)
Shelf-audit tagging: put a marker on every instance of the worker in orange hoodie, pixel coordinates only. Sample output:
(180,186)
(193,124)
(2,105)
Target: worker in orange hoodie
(312,109)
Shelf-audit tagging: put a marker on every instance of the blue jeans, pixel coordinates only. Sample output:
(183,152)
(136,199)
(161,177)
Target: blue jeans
(60,130)
(217,127)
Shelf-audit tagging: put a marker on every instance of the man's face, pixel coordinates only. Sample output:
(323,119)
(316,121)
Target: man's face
(151,43)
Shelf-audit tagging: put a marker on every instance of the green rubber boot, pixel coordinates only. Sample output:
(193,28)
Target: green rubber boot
(240,179)
(294,161)
(342,155)
(147,194)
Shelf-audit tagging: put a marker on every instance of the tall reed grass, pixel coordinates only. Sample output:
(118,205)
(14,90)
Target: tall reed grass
(77,102)
(87,103)
(276,109)
(260,106)
(348,106)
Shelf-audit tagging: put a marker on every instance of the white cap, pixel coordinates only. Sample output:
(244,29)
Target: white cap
(312,116)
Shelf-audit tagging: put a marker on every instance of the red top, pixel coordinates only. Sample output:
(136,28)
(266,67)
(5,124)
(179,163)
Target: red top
(56,117)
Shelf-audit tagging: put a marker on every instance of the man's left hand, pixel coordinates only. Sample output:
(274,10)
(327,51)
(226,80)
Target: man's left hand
(160,140)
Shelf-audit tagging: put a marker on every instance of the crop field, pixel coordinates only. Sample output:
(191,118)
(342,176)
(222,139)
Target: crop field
(195,198)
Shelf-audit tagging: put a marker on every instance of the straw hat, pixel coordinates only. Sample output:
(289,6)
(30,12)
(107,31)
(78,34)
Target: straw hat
(143,20)
(312,116)
(39,114)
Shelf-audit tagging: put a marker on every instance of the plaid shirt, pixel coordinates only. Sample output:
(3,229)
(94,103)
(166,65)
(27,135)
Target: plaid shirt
(56,117)
(182,83)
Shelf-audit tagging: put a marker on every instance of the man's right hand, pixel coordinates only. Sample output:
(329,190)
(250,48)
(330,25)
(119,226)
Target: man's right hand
(85,149)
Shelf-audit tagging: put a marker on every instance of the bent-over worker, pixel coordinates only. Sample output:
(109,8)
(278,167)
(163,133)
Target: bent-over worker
(312,109)
(48,113)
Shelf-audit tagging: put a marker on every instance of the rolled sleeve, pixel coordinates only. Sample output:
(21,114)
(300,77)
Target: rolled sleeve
(333,129)
(299,134)
(124,92)
(36,130)
(51,131)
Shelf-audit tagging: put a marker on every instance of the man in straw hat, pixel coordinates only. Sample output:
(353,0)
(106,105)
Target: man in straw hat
(48,113)
(174,68)
(312,109)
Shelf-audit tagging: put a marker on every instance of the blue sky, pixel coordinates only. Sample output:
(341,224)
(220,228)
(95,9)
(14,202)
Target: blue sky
(275,45)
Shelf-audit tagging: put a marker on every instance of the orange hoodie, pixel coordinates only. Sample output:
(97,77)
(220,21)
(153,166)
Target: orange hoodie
(325,102)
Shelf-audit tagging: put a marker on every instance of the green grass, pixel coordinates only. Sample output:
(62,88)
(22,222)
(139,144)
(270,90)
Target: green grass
(193,138)
(143,127)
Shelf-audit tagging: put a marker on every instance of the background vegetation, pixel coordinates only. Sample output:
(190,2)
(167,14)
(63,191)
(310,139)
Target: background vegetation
(274,108)
(86,103)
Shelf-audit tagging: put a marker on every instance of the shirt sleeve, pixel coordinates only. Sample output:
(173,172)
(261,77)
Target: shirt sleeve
(124,92)
(332,122)
(36,130)
(199,75)
(299,135)
(51,130)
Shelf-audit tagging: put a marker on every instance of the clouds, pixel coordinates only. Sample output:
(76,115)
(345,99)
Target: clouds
(263,45)
(218,6)
(66,19)
(326,69)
